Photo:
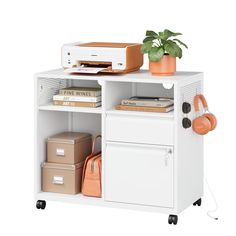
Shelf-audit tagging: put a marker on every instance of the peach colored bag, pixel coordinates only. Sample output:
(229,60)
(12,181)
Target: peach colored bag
(92,173)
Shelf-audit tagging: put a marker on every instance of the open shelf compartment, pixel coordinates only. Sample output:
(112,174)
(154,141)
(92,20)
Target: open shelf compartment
(48,87)
(116,91)
(51,123)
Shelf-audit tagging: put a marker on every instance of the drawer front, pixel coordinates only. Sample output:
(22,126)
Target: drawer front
(140,129)
(139,174)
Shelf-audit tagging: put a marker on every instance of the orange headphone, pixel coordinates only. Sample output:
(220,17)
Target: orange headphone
(206,122)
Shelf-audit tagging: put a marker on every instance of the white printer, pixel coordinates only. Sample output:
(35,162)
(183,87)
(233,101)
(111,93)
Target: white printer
(104,56)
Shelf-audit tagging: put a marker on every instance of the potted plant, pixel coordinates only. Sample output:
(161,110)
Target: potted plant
(162,49)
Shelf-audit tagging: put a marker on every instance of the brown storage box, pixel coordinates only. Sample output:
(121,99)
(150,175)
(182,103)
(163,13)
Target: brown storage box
(62,178)
(69,147)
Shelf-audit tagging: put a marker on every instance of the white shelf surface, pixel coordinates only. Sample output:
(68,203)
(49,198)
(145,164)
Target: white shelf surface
(51,107)
(81,199)
(142,76)
(141,113)
(77,198)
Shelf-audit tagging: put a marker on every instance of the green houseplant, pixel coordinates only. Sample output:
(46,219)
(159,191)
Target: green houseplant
(162,49)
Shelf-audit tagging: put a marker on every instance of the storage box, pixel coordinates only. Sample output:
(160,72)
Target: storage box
(62,178)
(69,147)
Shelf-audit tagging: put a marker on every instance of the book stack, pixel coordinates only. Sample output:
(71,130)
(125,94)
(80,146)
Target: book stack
(78,97)
(148,104)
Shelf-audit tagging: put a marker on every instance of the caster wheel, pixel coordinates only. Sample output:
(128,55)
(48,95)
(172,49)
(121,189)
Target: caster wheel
(173,219)
(41,204)
(198,202)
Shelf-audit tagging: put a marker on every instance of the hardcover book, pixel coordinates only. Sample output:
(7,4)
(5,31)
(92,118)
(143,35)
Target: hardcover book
(77,104)
(80,91)
(77,98)
(147,109)
(147,102)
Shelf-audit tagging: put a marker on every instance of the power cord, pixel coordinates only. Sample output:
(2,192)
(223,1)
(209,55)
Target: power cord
(209,213)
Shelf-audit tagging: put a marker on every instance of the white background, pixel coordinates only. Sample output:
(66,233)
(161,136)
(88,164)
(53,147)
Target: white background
(31,35)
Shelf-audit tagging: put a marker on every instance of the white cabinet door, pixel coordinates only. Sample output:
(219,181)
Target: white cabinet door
(139,174)
(140,129)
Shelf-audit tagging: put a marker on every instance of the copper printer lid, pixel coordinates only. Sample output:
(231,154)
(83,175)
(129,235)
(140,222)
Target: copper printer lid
(106,44)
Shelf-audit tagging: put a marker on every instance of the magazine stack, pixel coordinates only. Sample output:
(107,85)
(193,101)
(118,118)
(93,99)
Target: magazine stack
(148,104)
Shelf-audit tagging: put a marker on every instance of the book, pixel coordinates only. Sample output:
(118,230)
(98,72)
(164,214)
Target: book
(77,104)
(147,102)
(77,98)
(146,109)
(80,91)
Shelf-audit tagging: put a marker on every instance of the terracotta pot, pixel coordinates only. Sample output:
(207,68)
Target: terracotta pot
(166,66)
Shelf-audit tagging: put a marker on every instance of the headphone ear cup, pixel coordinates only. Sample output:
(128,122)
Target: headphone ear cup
(201,125)
(212,120)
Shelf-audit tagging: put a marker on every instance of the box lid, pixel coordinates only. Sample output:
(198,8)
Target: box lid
(69,137)
(63,166)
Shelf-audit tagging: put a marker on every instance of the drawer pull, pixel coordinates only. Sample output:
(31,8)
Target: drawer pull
(58,180)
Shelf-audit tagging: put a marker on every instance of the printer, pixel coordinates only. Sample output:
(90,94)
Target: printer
(104,56)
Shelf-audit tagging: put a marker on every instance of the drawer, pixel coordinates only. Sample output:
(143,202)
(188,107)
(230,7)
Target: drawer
(140,129)
(139,174)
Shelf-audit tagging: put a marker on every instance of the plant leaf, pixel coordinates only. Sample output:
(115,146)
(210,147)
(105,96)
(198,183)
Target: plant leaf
(180,53)
(173,49)
(156,53)
(167,34)
(180,42)
(149,38)
(151,33)
(161,35)
(163,41)
(170,33)
(146,47)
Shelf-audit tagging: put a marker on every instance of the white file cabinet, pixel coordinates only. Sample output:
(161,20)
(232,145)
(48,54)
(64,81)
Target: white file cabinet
(149,160)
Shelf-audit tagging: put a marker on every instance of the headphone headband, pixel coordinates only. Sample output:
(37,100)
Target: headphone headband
(203,101)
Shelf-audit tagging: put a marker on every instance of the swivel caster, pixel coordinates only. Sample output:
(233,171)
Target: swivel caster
(198,202)
(173,219)
(41,204)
